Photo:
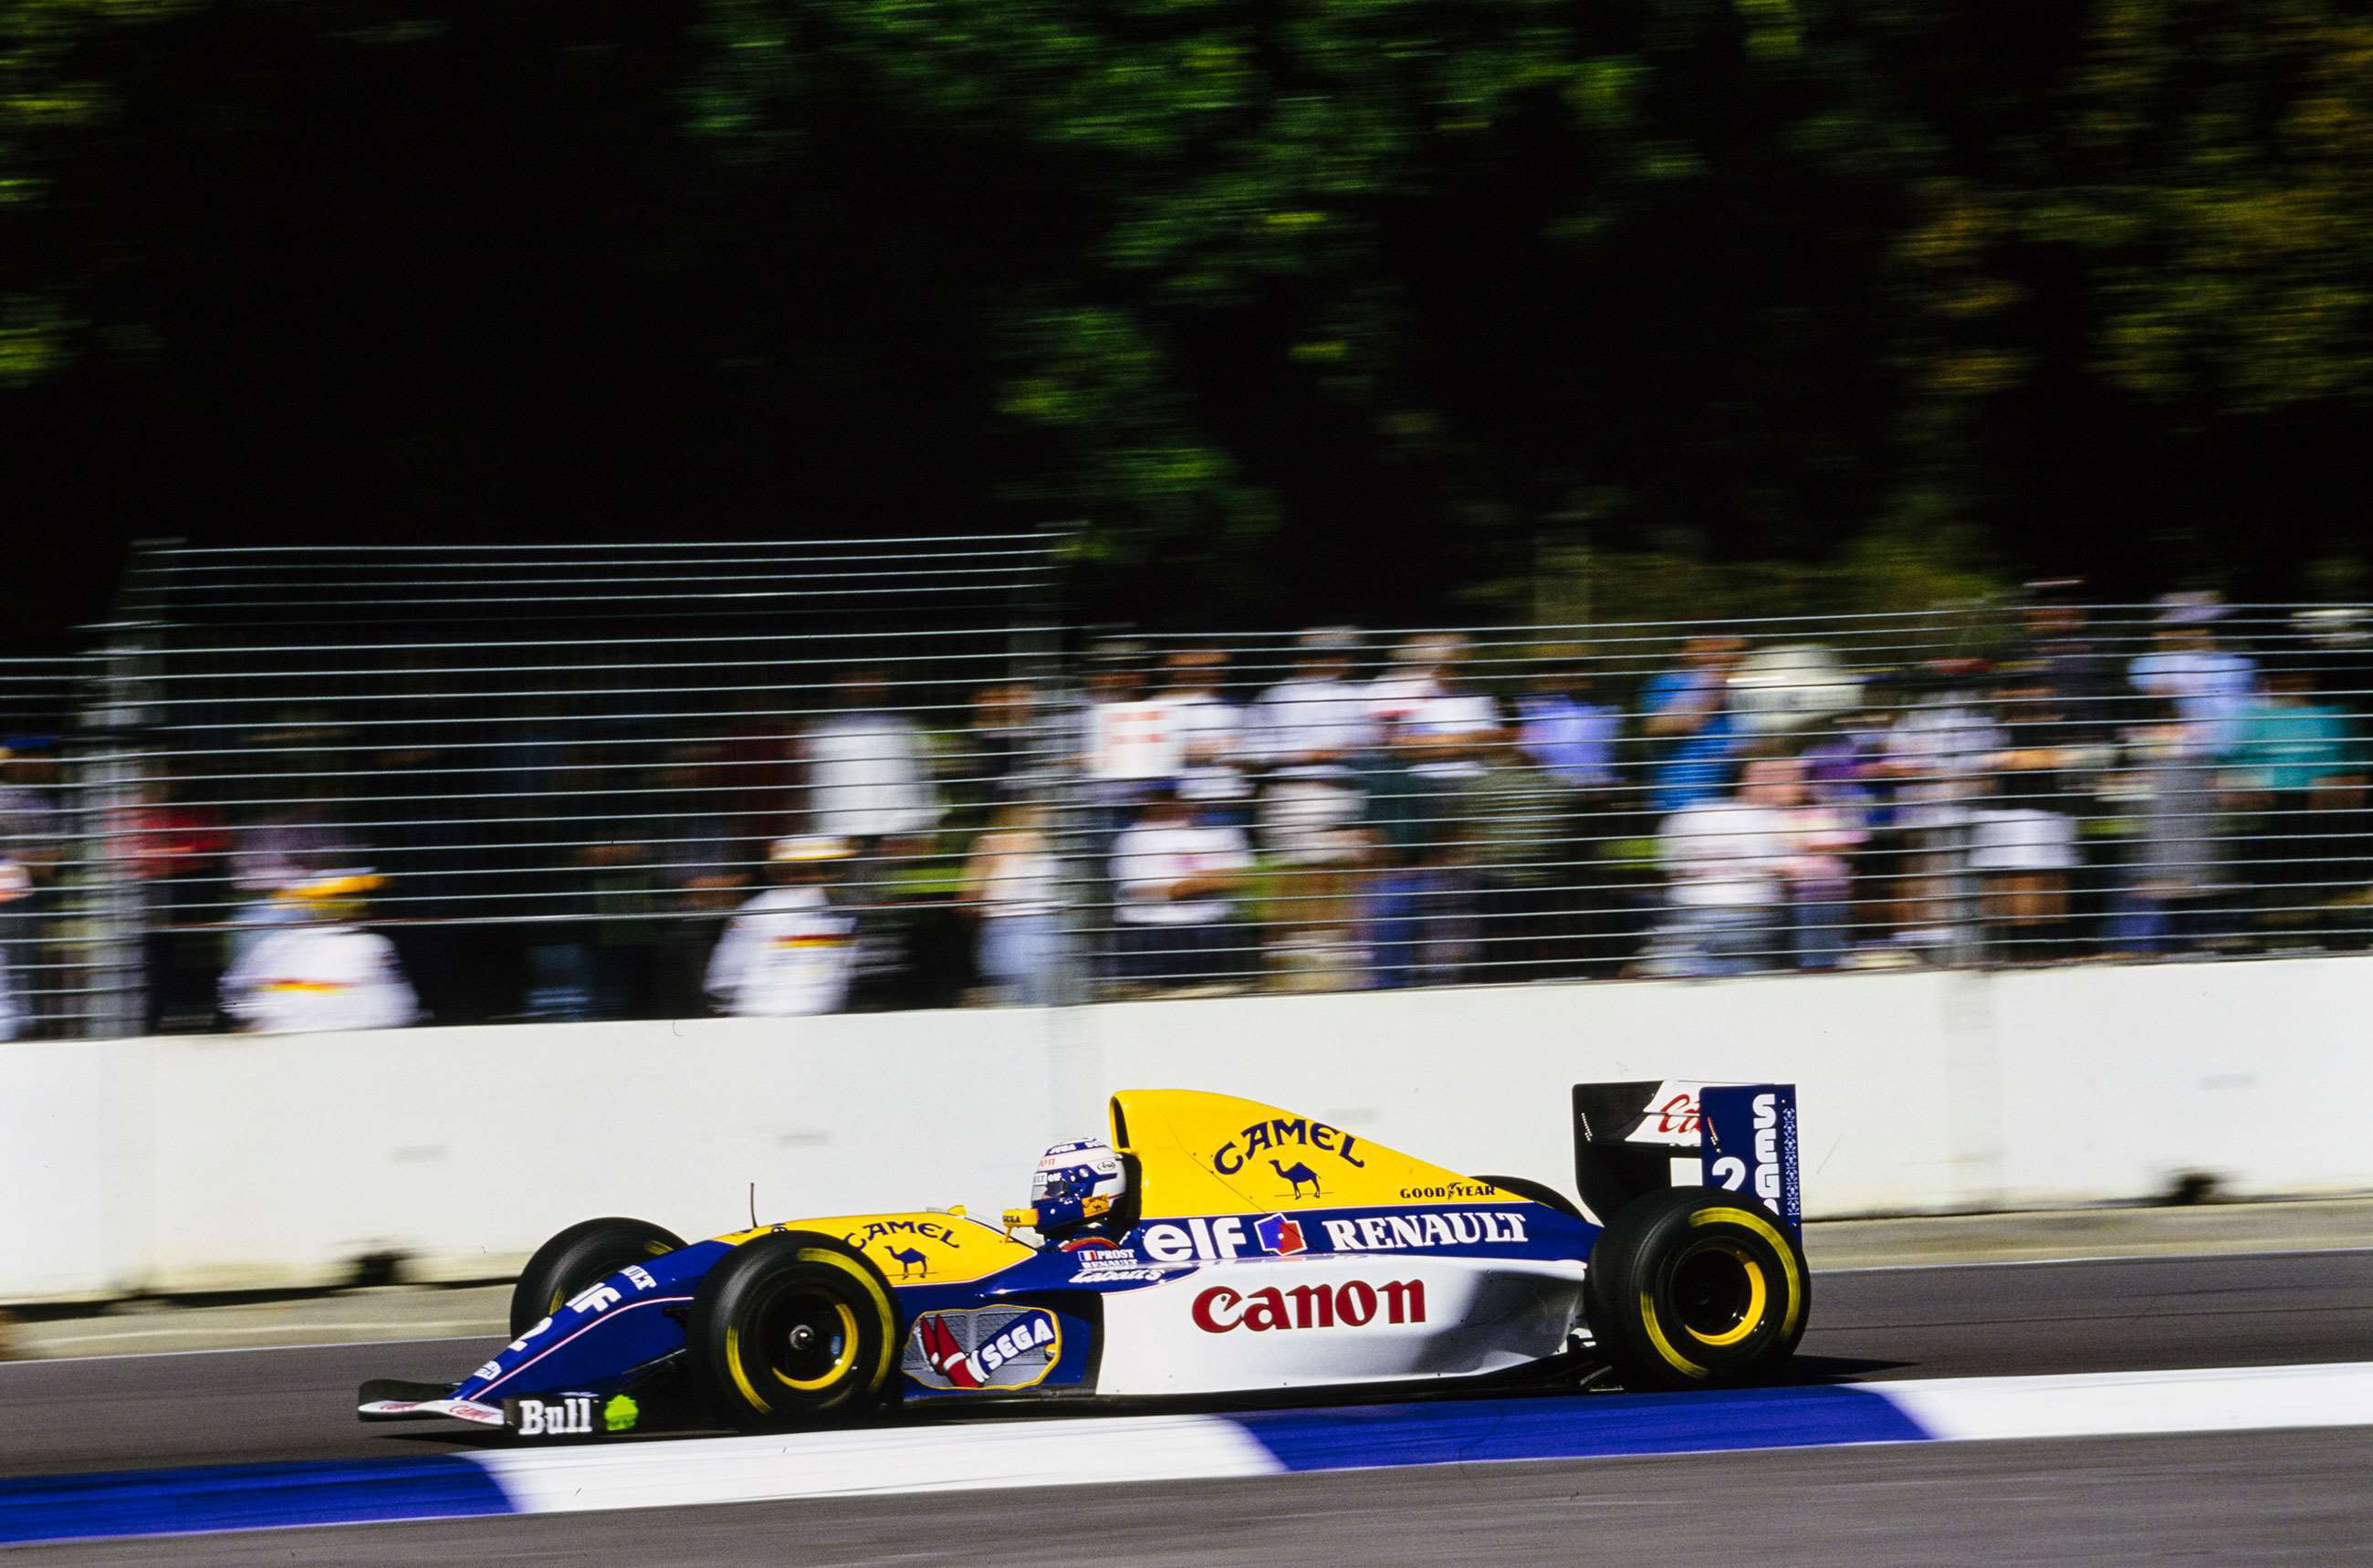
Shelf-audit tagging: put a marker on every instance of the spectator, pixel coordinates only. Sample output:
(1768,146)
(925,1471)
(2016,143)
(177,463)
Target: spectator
(175,849)
(1689,722)
(2208,684)
(1131,739)
(2023,844)
(1176,882)
(1724,860)
(1007,753)
(1444,723)
(2174,875)
(33,843)
(1306,732)
(2299,768)
(1011,888)
(790,951)
(2055,651)
(1937,753)
(16,948)
(272,858)
(1819,839)
(1312,734)
(1210,736)
(1518,819)
(1566,731)
(325,972)
(869,768)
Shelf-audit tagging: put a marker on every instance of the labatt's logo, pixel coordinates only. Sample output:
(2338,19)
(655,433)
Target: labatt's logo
(1263,1139)
(1671,1116)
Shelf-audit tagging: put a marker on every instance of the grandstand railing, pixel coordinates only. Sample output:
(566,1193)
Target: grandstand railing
(563,771)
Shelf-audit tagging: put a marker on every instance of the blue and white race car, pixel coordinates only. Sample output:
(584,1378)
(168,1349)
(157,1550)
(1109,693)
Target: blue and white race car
(1208,1245)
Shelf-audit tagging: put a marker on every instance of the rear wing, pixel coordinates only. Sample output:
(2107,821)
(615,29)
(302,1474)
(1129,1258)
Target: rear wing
(1633,1139)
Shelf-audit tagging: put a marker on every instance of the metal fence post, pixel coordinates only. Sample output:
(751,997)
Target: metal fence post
(109,791)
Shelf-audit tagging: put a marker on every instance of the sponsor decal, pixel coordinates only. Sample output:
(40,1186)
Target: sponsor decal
(1114,1276)
(1453,1190)
(1202,1240)
(470,1410)
(1767,1175)
(1671,1116)
(570,1415)
(1265,1139)
(1278,1234)
(490,1370)
(1353,1304)
(391,1407)
(984,1349)
(898,1239)
(593,1299)
(620,1414)
(1104,1258)
(640,1276)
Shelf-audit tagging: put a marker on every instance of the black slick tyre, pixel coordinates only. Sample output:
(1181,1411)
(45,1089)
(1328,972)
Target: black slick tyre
(1697,1288)
(791,1330)
(1539,1192)
(581,1256)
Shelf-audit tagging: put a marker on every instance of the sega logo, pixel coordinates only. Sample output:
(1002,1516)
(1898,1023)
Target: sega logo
(1354,1304)
(1766,1177)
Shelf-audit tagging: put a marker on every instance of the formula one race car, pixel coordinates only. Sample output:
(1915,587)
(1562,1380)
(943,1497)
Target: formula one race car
(1248,1249)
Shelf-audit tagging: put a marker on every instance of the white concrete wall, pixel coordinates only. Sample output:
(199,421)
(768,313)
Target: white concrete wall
(190,1163)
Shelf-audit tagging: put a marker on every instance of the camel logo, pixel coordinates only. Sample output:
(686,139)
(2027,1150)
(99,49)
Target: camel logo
(1297,1173)
(901,1241)
(1263,1137)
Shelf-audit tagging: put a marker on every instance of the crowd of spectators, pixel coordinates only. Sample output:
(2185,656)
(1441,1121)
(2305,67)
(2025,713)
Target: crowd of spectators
(1339,813)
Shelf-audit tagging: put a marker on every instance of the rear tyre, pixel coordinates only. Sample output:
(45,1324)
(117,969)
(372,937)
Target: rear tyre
(1693,1288)
(791,1330)
(1540,1192)
(581,1256)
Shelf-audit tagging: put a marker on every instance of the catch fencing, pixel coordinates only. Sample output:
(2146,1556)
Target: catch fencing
(561,783)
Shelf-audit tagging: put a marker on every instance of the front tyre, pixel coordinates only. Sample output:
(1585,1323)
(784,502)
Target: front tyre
(582,1255)
(1693,1288)
(791,1330)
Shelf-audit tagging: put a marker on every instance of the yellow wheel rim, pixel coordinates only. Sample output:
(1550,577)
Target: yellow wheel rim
(1751,1315)
(841,1363)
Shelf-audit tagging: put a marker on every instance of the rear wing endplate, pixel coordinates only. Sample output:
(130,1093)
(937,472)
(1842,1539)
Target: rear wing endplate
(1637,1138)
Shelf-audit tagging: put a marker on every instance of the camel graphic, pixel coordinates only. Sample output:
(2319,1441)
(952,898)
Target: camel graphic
(1297,1173)
(908,1260)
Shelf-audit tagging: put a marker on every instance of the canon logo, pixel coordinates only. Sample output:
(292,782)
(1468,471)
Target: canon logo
(1354,1304)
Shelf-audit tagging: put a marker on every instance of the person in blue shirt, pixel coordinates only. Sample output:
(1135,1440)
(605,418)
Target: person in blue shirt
(1693,734)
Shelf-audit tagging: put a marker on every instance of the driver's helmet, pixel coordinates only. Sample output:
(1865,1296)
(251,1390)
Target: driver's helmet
(1077,1188)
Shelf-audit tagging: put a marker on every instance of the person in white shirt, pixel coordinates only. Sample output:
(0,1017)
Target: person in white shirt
(1724,862)
(326,973)
(789,952)
(1304,733)
(1210,736)
(1175,886)
(869,768)
(1011,888)
(1445,726)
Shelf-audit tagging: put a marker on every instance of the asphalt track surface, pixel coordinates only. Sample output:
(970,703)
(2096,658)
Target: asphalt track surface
(2243,1498)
